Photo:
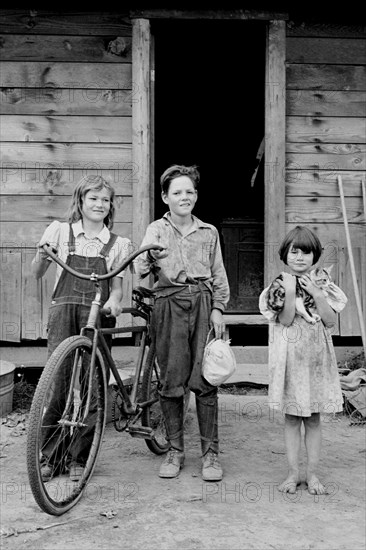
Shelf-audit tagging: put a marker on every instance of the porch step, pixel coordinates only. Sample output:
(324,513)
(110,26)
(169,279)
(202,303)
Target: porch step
(251,360)
(251,354)
(239,320)
(243,320)
(251,365)
(250,373)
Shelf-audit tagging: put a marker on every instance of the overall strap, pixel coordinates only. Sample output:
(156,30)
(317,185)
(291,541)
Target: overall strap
(108,246)
(71,241)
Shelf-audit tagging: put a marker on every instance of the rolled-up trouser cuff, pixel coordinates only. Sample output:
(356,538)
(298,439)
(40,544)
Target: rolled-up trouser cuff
(207,416)
(172,409)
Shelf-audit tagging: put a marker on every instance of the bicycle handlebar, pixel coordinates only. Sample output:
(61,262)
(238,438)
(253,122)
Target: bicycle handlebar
(94,276)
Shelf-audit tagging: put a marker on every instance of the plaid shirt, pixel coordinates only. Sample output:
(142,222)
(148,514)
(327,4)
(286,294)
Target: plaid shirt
(192,259)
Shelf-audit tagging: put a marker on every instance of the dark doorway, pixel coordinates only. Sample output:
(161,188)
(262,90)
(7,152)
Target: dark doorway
(209,111)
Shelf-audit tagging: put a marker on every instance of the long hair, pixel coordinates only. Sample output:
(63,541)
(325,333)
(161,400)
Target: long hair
(177,170)
(303,238)
(90,183)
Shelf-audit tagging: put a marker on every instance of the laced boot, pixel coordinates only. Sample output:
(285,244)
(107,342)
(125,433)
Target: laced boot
(211,467)
(172,463)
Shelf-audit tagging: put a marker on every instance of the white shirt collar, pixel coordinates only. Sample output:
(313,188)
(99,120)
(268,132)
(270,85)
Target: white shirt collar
(78,229)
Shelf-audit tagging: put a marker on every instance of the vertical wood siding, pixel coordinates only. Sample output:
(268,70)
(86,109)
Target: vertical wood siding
(66,105)
(326,137)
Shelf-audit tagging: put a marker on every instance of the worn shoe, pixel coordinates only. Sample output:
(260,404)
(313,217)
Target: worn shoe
(46,472)
(172,464)
(211,467)
(76,471)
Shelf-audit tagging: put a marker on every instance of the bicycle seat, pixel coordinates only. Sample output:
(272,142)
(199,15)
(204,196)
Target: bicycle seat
(139,294)
(145,292)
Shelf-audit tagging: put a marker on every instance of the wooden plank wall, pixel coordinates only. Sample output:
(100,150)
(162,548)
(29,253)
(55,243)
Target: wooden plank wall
(326,137)
(66,103)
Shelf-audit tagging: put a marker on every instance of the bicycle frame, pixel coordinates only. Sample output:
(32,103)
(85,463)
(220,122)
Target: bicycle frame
(130,406)
(65,430)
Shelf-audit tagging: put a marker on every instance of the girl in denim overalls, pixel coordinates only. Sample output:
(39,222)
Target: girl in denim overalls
(85,244)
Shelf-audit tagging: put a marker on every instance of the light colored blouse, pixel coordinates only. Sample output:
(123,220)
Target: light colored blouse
(57,235)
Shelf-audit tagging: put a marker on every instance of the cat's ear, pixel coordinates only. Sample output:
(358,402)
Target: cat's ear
(329,269)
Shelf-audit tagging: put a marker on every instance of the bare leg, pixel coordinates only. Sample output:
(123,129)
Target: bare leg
(293,443)
(313,440)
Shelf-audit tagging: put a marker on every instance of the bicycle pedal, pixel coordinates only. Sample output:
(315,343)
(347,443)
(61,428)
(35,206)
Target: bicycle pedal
(141,431)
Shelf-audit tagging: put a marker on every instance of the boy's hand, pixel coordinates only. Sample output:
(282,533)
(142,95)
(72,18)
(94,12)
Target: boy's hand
(217,322)
(159,254)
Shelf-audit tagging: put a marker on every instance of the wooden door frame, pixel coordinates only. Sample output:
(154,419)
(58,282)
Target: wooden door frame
(274,152)
(143,188)
(275,113)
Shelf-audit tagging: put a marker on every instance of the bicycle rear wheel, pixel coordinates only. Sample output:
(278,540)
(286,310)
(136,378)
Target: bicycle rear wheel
(57,432)
(152,416)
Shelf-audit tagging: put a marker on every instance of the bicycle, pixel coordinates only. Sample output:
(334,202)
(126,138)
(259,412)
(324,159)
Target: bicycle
(85,360)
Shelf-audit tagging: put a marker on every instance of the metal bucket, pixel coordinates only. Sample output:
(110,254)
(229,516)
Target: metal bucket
(6,387)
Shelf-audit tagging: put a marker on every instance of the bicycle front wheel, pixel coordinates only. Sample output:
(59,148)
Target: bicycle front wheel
(63,430)
(152,415)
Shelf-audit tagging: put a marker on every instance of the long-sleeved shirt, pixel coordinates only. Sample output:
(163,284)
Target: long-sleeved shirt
(192,259)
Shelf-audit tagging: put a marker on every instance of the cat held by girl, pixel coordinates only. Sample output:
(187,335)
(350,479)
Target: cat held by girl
(304,303)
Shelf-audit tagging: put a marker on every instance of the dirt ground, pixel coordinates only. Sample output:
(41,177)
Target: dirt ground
(128,506)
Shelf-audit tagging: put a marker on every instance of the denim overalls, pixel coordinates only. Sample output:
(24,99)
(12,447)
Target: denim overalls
(69,310)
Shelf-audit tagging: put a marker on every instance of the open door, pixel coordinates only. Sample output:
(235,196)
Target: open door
(207,93)
(210,111)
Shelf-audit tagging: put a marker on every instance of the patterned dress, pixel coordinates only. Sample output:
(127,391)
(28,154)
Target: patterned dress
(303,373)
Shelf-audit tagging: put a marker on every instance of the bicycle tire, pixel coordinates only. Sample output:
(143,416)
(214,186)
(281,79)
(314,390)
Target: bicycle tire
(58,494)
(152,416)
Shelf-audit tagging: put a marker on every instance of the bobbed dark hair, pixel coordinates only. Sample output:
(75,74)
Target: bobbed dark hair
(303,238)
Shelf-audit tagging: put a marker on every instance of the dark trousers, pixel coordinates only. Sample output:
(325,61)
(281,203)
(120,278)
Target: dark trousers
(180,325)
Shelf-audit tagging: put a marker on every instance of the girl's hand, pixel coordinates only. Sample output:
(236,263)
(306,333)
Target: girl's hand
(115,306)
(307,284)
(327,314)
(288,282)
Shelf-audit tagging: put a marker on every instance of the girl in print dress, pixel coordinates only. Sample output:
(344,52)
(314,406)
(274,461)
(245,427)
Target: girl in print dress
(303,374)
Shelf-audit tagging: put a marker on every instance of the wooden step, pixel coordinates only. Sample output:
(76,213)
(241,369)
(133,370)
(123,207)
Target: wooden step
(126,373)
(246,373)
(238,319)
(251,354)
(36,356)
(250,373)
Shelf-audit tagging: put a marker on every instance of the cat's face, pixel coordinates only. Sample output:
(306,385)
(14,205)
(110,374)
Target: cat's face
(321,276)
